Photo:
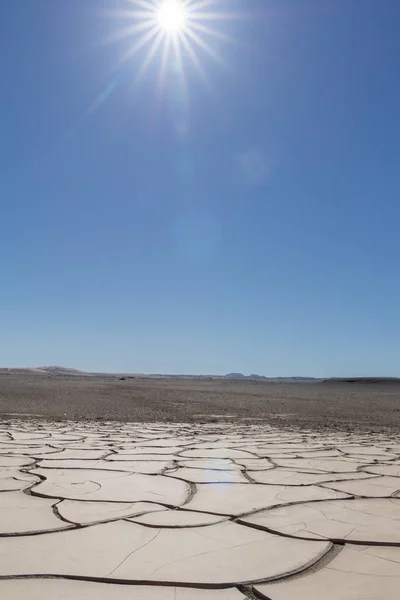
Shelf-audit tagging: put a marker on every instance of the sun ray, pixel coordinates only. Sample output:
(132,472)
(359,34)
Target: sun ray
(149,4)
(178,31)
(140,43)
(202,44)
(155,44)
(121,34)
(181,43)
(195,60)
(199,6)
(177,46)
(176,50)
(164,60)
(215,16)
(212,32)
(124,13)
(196,5)
(129,14)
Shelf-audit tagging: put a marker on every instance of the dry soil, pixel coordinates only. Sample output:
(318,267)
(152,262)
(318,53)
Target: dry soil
(317,405)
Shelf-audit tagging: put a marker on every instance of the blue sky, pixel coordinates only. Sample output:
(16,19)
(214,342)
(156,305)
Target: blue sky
(238,214)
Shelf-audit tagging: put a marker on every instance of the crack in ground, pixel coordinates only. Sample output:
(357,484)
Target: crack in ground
(133,552)
(111,450)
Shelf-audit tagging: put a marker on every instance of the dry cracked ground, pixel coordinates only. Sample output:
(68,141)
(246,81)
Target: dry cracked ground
(205,512)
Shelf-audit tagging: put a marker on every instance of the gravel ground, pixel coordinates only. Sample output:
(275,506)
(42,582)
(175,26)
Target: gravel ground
(317,405)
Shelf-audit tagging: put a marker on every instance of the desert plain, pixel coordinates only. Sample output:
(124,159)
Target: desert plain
(198,489)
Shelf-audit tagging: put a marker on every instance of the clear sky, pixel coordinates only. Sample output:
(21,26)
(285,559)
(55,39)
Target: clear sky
(231,207)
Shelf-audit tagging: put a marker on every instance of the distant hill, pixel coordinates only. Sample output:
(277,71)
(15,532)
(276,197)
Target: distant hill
(56,370)
(264,378)
(61,370)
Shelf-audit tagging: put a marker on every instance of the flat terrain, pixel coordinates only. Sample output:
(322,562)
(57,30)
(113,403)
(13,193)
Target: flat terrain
(214,511)
(319,405)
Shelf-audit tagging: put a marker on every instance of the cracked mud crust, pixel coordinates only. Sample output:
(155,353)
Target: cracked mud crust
(184,512)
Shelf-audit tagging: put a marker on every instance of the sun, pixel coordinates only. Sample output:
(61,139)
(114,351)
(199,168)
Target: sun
(173,33)
(172,16)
